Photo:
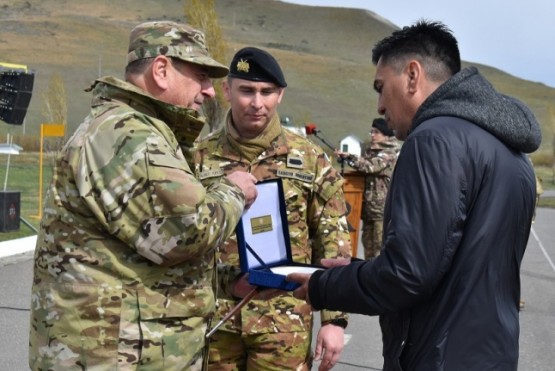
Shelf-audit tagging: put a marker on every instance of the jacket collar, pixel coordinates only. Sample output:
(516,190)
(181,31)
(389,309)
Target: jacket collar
(184,122)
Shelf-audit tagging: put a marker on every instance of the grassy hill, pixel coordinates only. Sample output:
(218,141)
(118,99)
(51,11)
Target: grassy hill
(325,54)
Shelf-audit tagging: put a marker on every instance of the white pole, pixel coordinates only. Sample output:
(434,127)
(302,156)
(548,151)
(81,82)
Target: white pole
(8,165)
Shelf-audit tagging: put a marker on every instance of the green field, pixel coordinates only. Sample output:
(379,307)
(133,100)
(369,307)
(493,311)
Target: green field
(23,176)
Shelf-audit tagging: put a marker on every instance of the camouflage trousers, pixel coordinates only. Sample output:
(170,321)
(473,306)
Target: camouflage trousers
(270,351)
(151,345)
(372,231)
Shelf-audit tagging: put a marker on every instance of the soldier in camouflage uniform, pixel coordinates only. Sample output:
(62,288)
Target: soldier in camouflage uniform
(273,334)
(377,162)
(125,257)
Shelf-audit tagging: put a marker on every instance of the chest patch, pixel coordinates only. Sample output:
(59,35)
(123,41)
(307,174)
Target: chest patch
(295,162)
(212,173)
(298,175)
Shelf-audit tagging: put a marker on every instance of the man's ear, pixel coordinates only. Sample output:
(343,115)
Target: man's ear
(414,75)
(226,89)
(160,70)
(281,93)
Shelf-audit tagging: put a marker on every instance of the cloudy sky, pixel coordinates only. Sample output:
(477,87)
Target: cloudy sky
(515,36)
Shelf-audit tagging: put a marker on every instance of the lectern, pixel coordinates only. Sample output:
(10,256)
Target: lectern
(354,195)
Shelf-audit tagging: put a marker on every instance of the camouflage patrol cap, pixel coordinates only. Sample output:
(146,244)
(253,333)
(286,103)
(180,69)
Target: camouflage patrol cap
(256,65)
(172,39)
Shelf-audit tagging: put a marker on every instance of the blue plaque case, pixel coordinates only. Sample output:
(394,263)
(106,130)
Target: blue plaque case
(263,240)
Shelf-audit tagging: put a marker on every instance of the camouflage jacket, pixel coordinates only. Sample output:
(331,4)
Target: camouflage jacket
(127,237)
(377,162)
(316,214)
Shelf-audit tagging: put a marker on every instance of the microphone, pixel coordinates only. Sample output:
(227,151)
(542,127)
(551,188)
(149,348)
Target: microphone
(311,129)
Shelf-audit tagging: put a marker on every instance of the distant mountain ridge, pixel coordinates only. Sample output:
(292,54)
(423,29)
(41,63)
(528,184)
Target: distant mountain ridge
(324,52)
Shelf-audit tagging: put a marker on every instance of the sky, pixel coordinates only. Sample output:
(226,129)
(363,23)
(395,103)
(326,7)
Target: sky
(515,36)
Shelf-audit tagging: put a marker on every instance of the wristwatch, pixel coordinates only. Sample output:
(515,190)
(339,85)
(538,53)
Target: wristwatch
(341,322)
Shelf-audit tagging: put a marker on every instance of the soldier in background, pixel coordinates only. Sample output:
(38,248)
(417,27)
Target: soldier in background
(377,162)
(273,334)
(124,258)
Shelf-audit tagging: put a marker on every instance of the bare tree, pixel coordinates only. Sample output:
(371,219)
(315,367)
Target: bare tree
(201,14)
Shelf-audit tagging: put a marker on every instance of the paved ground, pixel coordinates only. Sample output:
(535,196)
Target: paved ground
(363,350)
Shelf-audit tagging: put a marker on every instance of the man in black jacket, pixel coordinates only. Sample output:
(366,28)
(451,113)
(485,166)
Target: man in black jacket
(457,217)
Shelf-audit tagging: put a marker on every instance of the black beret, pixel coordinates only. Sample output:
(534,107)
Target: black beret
(256,65)
(381,125)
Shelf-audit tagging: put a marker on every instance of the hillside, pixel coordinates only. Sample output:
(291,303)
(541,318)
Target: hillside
(325,54)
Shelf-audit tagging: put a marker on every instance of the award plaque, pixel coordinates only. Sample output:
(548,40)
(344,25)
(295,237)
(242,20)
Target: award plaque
(263,240)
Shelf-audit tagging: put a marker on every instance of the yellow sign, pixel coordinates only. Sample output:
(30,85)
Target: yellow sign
(53,130)
(261,224)
(13,66)
(47,130)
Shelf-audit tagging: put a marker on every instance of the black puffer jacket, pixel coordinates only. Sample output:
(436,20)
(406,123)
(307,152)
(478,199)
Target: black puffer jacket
(456,224)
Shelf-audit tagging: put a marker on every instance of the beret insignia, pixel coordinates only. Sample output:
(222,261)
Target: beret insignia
(243,66)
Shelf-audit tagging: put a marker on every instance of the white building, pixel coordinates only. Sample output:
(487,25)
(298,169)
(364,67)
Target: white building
(351,144)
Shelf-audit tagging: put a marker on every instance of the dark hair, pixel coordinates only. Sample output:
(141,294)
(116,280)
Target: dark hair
(139,66)
(432,43)
(380,124)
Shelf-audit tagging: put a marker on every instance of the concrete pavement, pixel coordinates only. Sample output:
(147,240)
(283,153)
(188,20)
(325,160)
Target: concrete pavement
(363,348)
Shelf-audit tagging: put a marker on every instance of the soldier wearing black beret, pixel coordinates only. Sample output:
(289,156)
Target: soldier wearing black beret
(273,333)
(256,65)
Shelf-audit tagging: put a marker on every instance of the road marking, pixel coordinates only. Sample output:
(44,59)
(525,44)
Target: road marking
(543,249)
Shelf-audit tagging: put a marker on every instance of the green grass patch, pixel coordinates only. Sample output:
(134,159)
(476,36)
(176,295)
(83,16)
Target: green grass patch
(547,202)
(547,176)
(23,176)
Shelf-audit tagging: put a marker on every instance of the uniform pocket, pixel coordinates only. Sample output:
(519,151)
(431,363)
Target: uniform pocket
(173,325)
(75,324)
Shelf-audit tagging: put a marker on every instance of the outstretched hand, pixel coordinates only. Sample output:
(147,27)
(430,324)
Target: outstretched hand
(302,291)
(302,278)
(247,183)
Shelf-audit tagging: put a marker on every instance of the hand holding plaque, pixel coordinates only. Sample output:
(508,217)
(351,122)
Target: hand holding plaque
(263,240)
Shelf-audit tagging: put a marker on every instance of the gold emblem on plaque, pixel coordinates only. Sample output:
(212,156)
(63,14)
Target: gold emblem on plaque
(261,224)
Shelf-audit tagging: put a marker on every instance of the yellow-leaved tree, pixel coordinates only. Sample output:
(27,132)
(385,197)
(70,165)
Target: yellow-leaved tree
(54,108)
(201,14)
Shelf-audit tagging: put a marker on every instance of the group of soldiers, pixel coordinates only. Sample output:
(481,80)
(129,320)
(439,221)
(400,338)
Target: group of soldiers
(138,227)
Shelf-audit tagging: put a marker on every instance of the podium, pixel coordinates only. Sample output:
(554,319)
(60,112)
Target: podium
(353,188)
